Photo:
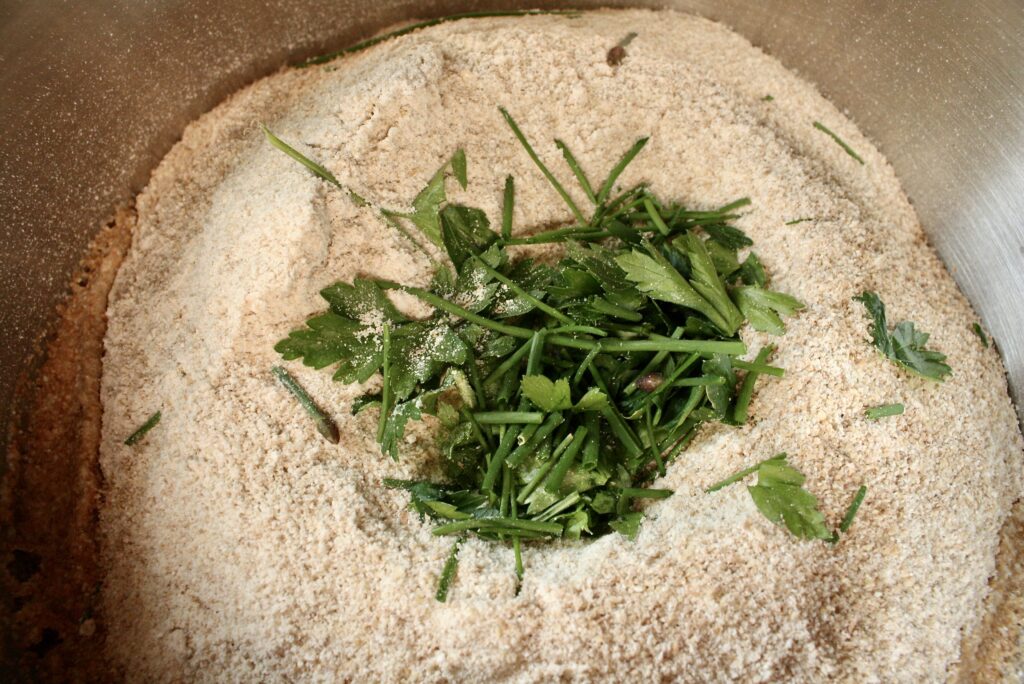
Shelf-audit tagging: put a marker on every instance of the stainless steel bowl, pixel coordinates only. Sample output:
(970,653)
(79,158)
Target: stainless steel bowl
(93,94)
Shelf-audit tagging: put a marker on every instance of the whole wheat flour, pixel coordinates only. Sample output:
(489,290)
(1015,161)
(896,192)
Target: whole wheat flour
(240,545)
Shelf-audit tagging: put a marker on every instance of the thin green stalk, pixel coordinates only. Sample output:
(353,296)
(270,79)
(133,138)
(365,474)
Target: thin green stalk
(325,425)
(568,456)
(851,512)
(746,392)
(615,420)
(655,361)
(152,421)
(523,450)
(602,305)
(736,477)
(509,363)
(557,507)
(673,380)
(318,170)
(577,170)
(497,524)
(508,208)
(883,411)
(506,417)
(505,445)
(448,573)
(512,285)
(456,310)
(652,211)
(732,348)
(839,141)
(542,473)
(559,235)
(540,165)
(585,364)
(617,170)
(385,392)
(758,368)
(653,442)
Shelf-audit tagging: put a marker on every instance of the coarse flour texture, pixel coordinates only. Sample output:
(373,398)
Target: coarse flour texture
(238,544)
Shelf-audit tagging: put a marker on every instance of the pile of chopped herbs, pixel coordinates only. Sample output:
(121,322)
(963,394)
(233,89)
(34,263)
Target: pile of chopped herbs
(562,391)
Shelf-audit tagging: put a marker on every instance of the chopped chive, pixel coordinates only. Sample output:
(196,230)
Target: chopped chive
(883,411)
(619,167)
(799,220)
(385,395)
(568,456)
(497,524)
(448,573)
(851,512)
(508,209)
(839,141)
(759,368)
(736,477)
(520,292)
(981,334)
(506,417)
(137,436)
(324,424)
(652,211)
(317,169)
(577,171)
(540,165)
(746,392)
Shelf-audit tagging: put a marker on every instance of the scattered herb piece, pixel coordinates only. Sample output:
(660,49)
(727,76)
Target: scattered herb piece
(324,424)
(448,572)
(839,141)
(883,411)
(905,346)
(767,98)
(799,220)
(317,169)
(137,436)
(746,392)
(561,391)
(618,52)
(981,334)
(851,512)
(780,496)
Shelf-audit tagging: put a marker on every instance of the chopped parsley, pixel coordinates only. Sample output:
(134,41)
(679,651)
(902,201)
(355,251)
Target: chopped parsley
(137,436)
(883,411)
(905,345)
(780,496)
(561,391)
(839,141)
(981,334)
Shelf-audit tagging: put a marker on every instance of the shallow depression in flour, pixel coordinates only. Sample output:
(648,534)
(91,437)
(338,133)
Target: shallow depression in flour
(240,544)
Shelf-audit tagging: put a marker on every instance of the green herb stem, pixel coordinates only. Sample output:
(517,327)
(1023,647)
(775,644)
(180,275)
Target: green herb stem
(448,572)
(506,417)
(508,208)
(540,165)
(150,423)
(851,512)
(883,411)
(839,141)
(746,393)
(324,424)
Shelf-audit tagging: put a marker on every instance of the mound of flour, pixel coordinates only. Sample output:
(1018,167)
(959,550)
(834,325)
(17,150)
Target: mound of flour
(238,544)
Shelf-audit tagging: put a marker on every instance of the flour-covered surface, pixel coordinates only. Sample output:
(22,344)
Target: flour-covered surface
(239,544)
